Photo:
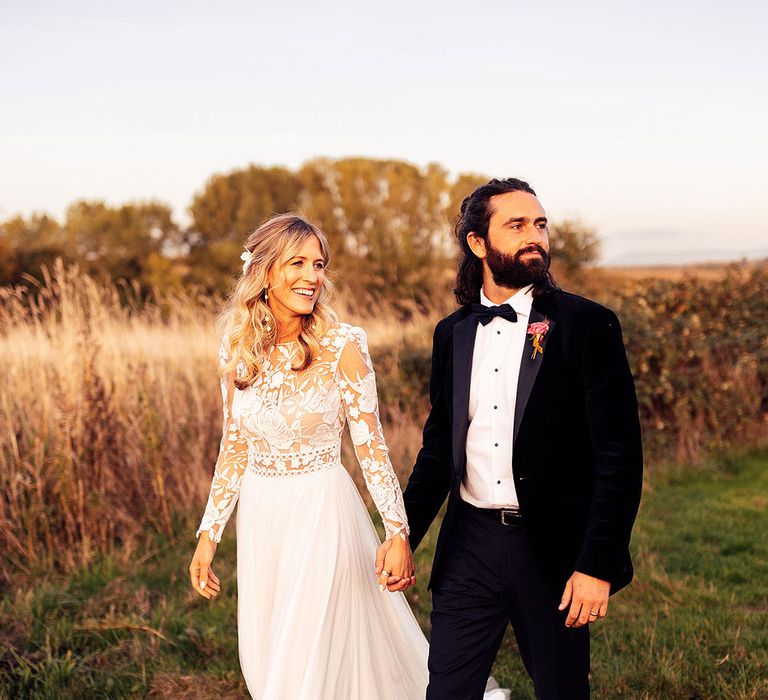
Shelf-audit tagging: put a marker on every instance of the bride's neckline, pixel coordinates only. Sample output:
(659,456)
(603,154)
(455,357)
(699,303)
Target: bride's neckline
(287,342)
(295,341)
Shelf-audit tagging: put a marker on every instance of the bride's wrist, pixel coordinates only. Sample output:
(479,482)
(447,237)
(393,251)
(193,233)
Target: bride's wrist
(399,539)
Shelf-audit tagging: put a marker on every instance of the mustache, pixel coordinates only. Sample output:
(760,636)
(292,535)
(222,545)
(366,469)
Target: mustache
(535,248)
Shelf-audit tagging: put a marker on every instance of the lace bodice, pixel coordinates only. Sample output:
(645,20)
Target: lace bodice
(290,423)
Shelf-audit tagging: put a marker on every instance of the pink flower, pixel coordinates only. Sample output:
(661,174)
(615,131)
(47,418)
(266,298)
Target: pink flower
(539,328)
(537,331)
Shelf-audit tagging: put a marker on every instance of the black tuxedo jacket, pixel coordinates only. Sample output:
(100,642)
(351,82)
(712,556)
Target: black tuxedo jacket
(577,456)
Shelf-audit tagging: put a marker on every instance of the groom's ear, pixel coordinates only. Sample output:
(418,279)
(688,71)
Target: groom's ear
(476,244)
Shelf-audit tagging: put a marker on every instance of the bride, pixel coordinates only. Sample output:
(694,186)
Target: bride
(314,621)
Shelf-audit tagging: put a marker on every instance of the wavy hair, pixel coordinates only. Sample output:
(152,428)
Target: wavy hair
(475,216)
(246,323)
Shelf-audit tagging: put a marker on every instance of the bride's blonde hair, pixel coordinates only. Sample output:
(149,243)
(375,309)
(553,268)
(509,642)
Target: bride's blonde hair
(246,323)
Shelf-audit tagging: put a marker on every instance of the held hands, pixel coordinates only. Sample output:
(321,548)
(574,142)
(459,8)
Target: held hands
(588,597)
(204,581)
(394,564)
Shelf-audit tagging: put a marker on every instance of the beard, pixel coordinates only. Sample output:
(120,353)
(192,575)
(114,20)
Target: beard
(512,271)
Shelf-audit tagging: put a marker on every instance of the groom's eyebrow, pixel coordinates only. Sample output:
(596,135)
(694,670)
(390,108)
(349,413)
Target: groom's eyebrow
(524,220)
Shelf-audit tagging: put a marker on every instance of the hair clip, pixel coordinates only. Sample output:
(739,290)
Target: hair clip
(247,258)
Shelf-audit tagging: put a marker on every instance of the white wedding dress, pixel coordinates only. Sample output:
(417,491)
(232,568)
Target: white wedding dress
(312,621)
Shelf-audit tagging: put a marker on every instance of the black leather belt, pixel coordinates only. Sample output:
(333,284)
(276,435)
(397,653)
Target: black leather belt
(506,516)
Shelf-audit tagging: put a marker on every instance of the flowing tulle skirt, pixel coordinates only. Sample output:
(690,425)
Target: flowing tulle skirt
(312,622)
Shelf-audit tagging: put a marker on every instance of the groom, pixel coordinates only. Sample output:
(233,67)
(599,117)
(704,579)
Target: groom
(534,437)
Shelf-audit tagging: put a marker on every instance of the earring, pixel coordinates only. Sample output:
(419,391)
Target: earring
(266,293)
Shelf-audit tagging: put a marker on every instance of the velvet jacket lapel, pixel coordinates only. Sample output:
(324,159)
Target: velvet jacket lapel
(464,333)
(529,368)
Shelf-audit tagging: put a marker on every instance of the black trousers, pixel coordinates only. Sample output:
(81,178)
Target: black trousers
(490,579)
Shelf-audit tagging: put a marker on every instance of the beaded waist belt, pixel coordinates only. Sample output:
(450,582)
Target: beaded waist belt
(293,463)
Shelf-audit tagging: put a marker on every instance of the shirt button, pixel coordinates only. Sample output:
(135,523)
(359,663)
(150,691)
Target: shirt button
(496,370)
(498,482)
(498,332)
(495,444)
(495,406)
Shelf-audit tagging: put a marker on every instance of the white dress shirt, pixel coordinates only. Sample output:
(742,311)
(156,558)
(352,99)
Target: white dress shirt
(488,481)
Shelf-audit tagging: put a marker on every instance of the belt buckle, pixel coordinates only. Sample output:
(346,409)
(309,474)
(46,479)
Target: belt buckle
(514,516)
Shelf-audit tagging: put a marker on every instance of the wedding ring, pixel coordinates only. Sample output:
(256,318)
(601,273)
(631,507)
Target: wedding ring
(386,573)
(593,614)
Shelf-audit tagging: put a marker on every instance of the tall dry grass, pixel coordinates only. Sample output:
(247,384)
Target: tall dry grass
(107,414)
(111,416)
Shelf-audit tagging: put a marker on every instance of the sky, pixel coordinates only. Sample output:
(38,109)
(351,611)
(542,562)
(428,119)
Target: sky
(645,120)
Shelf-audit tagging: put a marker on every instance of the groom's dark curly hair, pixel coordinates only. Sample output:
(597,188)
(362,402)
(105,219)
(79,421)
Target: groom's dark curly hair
(475,215)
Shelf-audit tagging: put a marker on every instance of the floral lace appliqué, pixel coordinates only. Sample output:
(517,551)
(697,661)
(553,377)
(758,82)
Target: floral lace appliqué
(290,423)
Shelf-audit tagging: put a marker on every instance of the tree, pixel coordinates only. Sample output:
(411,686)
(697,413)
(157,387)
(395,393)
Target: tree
(233,204)
(573,245)
(465,184)
(26,244)
(230,206)
(118,242)
(387,221)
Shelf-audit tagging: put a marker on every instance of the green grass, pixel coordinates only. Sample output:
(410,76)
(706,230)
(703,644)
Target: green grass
(693,624)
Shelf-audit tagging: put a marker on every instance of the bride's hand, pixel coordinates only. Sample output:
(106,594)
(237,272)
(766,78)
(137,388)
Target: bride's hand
(204,581)
(395,558)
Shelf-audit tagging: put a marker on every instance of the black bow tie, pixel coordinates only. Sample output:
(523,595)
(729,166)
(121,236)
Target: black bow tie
(485,314)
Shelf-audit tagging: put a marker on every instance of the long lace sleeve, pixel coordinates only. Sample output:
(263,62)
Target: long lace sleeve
(357,383)
(230,465)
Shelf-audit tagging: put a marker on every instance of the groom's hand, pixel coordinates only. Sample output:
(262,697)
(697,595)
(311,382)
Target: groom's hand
(588,597)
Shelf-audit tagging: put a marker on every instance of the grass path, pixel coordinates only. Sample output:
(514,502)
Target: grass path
(693,625)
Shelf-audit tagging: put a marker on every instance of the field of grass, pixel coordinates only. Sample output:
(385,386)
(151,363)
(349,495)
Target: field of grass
(693,625)
(111,420)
